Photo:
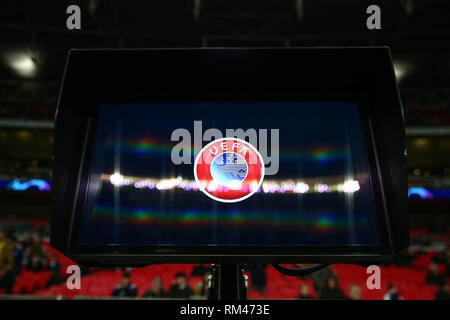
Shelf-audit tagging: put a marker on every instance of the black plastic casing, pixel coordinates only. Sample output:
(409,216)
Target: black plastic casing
(362,75)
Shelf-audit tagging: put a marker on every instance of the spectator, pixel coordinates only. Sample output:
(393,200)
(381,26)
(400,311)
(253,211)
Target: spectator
(331,290)
(6,261)
(258,277)
(443,293)
(304,292)
(53,263)
(35,263)
(423,240)
(440,257)
(18,258)
(354,292)
(55,268)
(405,258)
(201,288)
(392,293)
(36,247)
(55,279)
(447,262)
(319,277)
(126,288)
(157,289)
(434,277)
(33,247)
(199,270)
(180,289)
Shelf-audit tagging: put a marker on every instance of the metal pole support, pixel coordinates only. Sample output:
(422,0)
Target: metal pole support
(227,283)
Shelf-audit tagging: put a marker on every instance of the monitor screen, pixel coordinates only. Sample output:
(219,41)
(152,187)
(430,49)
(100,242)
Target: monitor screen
(229,174)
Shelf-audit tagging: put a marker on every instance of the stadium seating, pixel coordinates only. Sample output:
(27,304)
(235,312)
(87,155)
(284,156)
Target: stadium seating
(410,281)
(29,282)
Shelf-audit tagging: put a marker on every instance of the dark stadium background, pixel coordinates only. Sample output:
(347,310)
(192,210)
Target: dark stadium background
(34,42)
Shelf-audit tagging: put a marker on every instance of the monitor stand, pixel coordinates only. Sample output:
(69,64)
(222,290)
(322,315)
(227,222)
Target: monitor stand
(227,282)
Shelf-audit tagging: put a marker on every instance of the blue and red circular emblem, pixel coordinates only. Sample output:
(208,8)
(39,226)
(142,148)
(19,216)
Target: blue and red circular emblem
(229,170)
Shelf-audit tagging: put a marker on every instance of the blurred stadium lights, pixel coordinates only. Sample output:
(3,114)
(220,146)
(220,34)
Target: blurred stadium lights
(422,193)
(29,124)
(401,69)
(29,87)
(43,124)
(24,64)
(39,184)
(116,179)
(427,131)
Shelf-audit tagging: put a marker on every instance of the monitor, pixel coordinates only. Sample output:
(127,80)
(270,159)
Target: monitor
(269,168)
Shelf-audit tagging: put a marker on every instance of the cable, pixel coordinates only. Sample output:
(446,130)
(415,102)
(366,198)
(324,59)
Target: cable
(297,272)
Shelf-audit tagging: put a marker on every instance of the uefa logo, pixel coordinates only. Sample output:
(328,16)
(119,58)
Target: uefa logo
(229,170)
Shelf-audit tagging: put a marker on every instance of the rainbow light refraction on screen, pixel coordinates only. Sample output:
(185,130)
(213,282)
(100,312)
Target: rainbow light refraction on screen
(148,146)
(269,186)
(320,222)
